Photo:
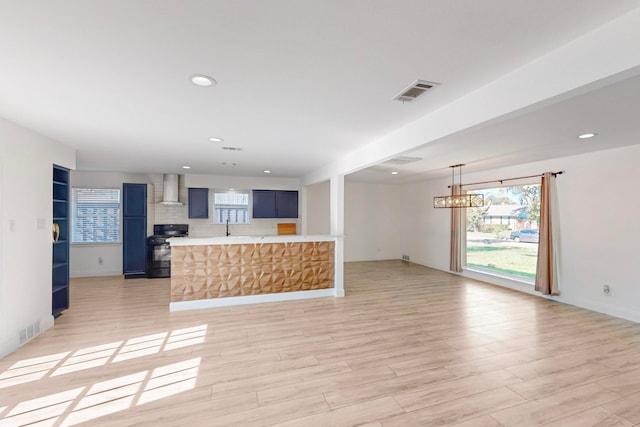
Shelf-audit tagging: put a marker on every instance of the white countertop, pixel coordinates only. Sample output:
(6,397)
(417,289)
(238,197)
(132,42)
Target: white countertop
(237,240)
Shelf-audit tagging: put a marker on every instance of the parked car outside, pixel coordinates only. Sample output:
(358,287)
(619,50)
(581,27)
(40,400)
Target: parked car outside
(526,235)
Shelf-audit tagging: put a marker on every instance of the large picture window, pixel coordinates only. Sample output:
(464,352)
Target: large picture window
(502,236)
(232,207)
(95,214)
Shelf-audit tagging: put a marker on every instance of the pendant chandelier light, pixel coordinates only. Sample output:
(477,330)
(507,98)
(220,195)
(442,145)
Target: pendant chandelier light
(458,200)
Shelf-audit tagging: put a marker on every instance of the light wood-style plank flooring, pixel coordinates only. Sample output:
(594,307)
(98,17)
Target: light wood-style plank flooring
(407,346)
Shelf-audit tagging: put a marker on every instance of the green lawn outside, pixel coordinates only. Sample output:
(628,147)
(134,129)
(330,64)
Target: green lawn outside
(504,257)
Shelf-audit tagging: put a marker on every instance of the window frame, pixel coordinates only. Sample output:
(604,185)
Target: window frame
(488,272)
(248,206)
(74,217)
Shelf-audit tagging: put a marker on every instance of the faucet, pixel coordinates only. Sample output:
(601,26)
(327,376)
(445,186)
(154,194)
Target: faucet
(228,234)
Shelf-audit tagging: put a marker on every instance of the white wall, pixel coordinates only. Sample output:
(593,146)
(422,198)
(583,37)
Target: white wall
(371,221)
(26,160)
(224,182)
(599,225)
(318,214)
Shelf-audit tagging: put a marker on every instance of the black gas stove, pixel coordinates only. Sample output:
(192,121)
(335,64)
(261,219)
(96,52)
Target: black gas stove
(159,250)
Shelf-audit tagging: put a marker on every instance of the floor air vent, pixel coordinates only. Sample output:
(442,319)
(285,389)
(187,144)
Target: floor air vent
(29,332)
(414,90)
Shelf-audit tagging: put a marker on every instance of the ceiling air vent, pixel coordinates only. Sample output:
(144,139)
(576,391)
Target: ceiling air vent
(233,148)
(414,90)
(401,160)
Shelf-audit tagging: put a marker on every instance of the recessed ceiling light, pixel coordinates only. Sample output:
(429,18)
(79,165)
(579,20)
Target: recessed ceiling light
(394,173)
(186,167)
(215,139)
(587,135)
(202,80)
(267,171)
(232,189)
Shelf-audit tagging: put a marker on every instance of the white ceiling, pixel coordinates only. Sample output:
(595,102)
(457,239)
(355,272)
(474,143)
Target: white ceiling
(540,133)
(299,82)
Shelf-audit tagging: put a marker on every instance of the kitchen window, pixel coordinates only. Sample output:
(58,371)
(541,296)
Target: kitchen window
(232,207)
(95,214)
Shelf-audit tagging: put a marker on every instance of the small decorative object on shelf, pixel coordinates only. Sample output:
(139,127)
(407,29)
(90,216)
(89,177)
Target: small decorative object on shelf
(56,231)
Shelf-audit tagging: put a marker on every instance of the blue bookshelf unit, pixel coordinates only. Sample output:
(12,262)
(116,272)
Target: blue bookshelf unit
(60,236)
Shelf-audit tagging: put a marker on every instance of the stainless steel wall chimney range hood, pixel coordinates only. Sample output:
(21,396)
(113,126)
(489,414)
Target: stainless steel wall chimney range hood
(170,189)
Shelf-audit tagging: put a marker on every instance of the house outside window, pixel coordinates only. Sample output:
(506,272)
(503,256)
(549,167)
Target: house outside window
(231,206)
(494,243)
(95,215)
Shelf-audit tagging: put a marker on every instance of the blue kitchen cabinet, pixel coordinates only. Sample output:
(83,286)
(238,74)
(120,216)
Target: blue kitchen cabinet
(134,230)
(264,204)
(275,204)
(286,204)
(199,203)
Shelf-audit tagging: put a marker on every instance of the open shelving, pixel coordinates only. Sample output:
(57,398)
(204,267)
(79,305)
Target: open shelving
(60,253)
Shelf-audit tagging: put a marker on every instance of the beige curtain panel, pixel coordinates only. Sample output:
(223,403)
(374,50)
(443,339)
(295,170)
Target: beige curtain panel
(547,267)
(457,230)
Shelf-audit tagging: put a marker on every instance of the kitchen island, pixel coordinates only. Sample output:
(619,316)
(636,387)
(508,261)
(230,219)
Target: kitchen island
(234,270)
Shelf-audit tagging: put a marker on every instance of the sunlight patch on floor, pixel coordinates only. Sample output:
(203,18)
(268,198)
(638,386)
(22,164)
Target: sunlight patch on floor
(37,368)
(47,408)
(30,369)
(141,346)
(186,337)
(87,358)
(170,380)
(105,397)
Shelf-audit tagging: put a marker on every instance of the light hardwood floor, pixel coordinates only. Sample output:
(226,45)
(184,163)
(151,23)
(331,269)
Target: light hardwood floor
(407,346)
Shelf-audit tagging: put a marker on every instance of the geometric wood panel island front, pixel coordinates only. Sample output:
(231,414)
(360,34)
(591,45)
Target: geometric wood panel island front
(231,270)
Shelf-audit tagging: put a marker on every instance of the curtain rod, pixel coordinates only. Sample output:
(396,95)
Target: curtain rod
(508,179)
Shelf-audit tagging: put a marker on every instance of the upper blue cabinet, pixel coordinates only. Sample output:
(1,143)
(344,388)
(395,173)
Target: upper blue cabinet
(199,203)
(275,204)
(264,204)
(134,200)
(286,204)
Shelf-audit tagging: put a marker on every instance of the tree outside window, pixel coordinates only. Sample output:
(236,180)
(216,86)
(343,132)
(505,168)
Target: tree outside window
(502,235)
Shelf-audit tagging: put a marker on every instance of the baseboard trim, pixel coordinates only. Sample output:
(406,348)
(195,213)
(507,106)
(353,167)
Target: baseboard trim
(608,309)
(622,313)
(80,274)
(251,299)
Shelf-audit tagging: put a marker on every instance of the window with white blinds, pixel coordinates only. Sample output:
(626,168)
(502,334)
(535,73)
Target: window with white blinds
(95,214)
(233,207)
